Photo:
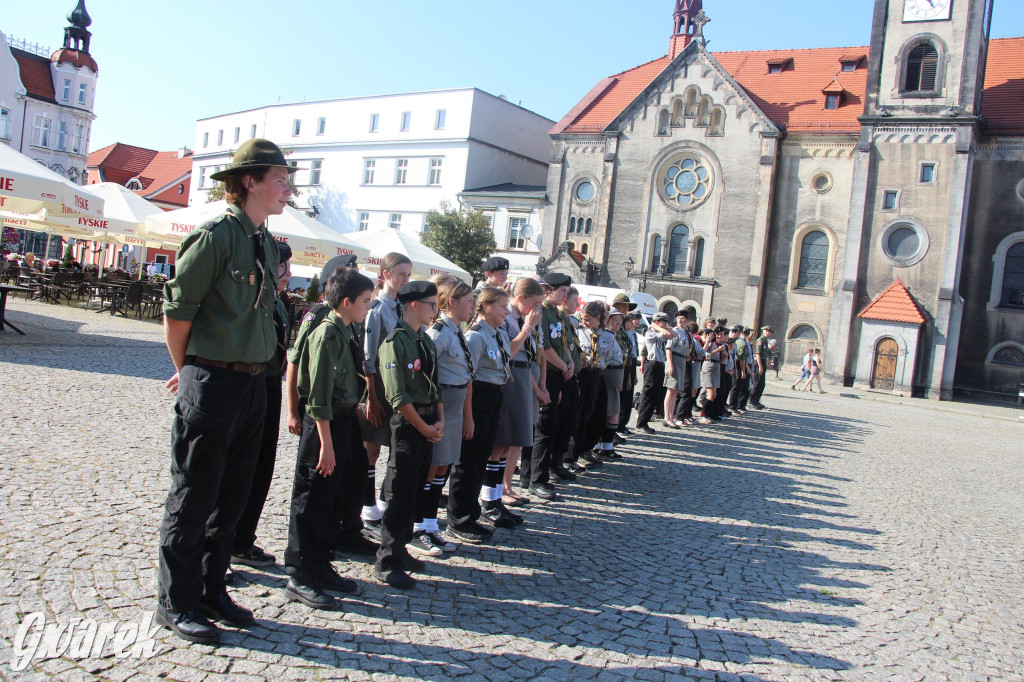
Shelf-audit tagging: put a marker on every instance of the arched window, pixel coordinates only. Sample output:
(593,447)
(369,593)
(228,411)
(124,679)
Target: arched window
(572,225)
(704,113)
(663,122)
(1013,277)
(677,250)
(717,121)
(590,225)
(73,175)
(656,253)
(813,261)
(691,102)
(803,332)
(1008,354)
(922,69)
(698,257)
(584,249)
(677,112)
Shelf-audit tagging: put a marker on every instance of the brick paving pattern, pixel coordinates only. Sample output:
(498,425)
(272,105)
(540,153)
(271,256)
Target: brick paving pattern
(828,538)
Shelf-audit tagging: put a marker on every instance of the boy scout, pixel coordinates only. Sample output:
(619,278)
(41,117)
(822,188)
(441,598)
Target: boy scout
(408,368)
(219,329)
(495,273)
(329,374)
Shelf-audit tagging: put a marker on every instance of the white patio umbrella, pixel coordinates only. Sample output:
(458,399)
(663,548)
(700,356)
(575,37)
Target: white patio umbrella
(28,187)
(425,261)
(312,243)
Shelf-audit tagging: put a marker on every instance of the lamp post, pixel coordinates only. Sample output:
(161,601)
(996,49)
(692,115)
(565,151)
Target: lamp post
(313,212)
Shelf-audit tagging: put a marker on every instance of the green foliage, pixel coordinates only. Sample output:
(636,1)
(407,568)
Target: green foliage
(313,293)
(69,256)
(463,237)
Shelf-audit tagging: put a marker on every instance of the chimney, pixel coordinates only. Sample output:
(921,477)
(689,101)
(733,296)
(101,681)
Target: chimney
(183,152)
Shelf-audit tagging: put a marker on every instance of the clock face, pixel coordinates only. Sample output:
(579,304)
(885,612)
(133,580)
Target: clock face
(926,10)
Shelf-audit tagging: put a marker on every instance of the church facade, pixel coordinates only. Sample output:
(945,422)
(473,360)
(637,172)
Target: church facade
(866,201)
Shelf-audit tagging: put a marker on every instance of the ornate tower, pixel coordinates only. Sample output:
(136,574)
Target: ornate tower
(76,36)
(687,23)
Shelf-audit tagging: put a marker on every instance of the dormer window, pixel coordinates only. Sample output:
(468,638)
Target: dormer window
(780,64)
(850,63)
(832,101)
(833,92)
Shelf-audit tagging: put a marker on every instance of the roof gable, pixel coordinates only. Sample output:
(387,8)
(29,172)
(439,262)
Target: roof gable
(895,304)
(35,75)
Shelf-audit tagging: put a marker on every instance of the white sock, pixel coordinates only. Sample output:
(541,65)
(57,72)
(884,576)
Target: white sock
(498,491)
(372,513)
(486,493)
(607,446)
(382,506)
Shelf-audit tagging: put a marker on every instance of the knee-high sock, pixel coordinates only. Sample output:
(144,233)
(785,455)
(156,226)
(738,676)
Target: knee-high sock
(608,437)
(494,486)
(429,502)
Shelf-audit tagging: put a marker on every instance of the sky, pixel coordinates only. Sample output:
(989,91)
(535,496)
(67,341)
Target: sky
(163,65)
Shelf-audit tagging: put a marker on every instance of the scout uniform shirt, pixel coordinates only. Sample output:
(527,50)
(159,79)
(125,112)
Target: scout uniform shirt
(761,349)
(655,343)
(224,285)
(742,350)
(554,328)
(488,349)
(612,354)
(408,366)
(528,352)
(628,355)
(276,367)
(329,372)
(384,315)
(682,345)
(452,352)
(310,321)
(572,341)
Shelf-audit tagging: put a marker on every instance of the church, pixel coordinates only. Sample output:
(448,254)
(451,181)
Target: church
(867,201)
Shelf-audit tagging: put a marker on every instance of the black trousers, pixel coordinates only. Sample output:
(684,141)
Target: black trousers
(654,391)
(570,419)
(725,386)
(535,462)
(215,440)
(592,410)
(626,396)
(468,473)
(315,509)
(245,531)
(757,390)
(684,403)
(740,392)
(408,467)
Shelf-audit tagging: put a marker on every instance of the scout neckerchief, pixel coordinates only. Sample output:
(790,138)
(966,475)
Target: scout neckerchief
(595,357)
(504,354)
(441,324)
(529,348)
(428,362)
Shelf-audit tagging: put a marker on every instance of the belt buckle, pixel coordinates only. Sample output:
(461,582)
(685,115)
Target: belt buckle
(254,369)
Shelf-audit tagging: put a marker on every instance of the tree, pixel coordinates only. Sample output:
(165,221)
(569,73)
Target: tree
(313,292)
(463,237)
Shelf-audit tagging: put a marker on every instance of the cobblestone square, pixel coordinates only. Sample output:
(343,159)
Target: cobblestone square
(842,536)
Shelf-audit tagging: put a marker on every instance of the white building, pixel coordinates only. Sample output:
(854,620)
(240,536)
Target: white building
(371,162)
(515,215)
(47,100)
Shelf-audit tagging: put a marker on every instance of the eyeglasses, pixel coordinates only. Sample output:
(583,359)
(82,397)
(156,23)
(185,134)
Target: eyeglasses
(432,304)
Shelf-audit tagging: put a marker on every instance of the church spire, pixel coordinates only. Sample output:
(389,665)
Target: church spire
(77,36)
(687,23)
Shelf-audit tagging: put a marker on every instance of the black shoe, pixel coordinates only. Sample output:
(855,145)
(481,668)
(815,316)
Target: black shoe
(499,517)
(253,556)
(645,429)
(309,595)
(371,530)
(330,580)
(593,461)
(618,440)
(222,608)
(563,473)
(505,510)
(413,565)
(472,533)
(575,468)
(543,491)
(757,406)
(192,626)
(626,430)
(358,544)
(395,577)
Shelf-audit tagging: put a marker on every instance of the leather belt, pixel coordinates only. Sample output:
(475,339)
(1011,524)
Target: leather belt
(521,364)
(454,386)
(614,367)
(252,369)
(425,410)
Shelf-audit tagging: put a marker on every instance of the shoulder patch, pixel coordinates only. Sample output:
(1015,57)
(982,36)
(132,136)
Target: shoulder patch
(375,304)
(393,332)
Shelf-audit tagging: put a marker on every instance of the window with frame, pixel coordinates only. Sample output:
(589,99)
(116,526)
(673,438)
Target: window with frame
(62,136)
(516,240)
(202,176)
(439,119)
(813,266)
(206,140)
(321,125)
(401,171)
(849,67)
(133,184)
(1013,277)
(406,121)
(435,172)
(374,122)
(1009,355)
(369,170)
(238,134)
(572,225)
(588,226)
(314,171)
(77,142)
(220,137)
(364,221)
(928,175)
(922,69)
(81,93)
(67,90)
(395,222)
(831,101)
(252,132)
(5,124)
(296,127)
(698,258)
(677,250)
(656,253)
(42,126)
(775,68)
(803,332)
(890,200)
(584,249)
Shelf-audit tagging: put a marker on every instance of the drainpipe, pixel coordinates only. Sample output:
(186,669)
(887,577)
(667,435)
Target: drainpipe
(24,113)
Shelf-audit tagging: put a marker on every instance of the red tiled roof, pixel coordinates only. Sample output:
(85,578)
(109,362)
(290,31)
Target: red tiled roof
(166,168)
(35,74)
(577,256)
(76,58)
(171,194)
(793,98)
(854,57)
(160,173)
(122,157)
(834,88)
(895,304)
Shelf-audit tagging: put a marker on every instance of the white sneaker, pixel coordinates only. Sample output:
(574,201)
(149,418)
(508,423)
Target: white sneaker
(439,541)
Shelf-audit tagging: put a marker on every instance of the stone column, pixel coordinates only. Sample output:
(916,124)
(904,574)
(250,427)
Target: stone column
(753,294)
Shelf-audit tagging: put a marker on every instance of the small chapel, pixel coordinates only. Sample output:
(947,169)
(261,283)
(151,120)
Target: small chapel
(868,201)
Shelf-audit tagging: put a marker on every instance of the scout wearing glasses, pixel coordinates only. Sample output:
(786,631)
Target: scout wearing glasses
(219,326)
(330,376)
(408,370)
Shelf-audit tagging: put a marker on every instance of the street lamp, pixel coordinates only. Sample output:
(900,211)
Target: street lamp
(313,211)
(629,267)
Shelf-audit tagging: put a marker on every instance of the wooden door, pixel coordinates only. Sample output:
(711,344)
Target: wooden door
(886,353)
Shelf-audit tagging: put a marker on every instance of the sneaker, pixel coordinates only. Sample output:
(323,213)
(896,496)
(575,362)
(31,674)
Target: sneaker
(439,541)
(593,462)
(686,422)
(618,440)
(704,420)
(500,518)
(253,556)
(472,533)
(757,406)
(372,530)
(424,544)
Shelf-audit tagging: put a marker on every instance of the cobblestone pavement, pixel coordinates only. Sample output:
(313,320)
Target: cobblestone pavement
(827,538)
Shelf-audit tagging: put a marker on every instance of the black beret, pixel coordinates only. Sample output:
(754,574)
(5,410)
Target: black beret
(495,263)
(737,328)
(557,279)
(348,261)
(417,291)
(284,252)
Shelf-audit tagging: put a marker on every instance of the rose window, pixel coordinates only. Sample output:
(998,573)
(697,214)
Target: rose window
(685,182)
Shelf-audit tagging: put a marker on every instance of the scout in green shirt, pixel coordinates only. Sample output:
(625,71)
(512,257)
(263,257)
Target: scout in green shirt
(219,329)
(329,372)
(408,368)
